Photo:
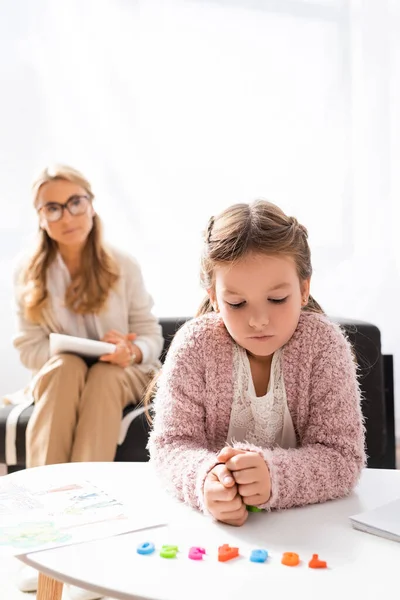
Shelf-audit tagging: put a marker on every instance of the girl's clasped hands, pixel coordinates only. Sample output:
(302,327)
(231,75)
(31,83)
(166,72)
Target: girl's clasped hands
(240,479)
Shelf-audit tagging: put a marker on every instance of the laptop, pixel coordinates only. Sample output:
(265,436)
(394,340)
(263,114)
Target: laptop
(383,521)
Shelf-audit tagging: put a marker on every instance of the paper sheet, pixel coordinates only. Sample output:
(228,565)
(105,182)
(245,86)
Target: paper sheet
(34,517)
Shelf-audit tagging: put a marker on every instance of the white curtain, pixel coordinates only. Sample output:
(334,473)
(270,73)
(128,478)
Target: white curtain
(177,109)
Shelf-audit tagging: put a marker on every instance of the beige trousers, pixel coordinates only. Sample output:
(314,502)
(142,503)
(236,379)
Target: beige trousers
(78,410)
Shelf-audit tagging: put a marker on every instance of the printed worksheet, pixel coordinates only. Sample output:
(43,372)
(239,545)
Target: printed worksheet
(37,518)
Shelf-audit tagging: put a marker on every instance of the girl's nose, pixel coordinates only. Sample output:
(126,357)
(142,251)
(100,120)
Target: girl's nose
(259,321)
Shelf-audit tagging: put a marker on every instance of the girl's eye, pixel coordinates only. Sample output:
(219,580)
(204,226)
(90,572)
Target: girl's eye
(278,300)
(239,305)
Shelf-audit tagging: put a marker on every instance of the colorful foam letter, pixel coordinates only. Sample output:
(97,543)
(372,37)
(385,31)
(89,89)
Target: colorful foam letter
(145,548)
(253,508)
(168,551)
(226,552)
(259,556)
(196,553)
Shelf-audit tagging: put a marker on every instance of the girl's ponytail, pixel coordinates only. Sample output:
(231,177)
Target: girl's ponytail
(205,307)
(313,306)
(149,396)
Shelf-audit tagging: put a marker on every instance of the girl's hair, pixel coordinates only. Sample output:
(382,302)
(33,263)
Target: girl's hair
(260,227)
(89,289)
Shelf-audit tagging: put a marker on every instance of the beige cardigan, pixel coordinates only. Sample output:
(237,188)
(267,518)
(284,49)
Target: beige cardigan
(128,310)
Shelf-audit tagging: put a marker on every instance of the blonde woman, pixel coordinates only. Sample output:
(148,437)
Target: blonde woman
(73,284)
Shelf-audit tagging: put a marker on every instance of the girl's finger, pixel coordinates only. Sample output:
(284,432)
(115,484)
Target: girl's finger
(227,453)
(249,490)
(246,476)
(246,460)
(223,475)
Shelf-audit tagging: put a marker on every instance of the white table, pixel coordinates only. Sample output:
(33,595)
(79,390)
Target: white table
(360,565)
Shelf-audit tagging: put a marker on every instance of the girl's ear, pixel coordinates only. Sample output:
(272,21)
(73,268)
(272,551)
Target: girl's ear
(305,291)
(213,299)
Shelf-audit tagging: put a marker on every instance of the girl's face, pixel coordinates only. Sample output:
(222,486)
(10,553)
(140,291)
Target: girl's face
(67,229)
(260,299)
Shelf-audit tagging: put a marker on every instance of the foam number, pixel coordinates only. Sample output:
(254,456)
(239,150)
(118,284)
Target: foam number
(315,563)
(196,553)
(290,559)
(226,552)
(145,548)
(258,556)
(168,551)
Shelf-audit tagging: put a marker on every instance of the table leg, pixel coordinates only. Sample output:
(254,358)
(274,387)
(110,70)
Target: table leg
(49,588)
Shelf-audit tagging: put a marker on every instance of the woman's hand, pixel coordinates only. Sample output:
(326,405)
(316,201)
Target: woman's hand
(114,337)
(122,340)
(251,474)
(221,497)
(122,356)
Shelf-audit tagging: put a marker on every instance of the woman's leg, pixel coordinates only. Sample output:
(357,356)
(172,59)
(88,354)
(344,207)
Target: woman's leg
(57,392)
(108,390)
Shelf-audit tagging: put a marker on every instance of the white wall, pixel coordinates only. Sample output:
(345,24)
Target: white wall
(177,109)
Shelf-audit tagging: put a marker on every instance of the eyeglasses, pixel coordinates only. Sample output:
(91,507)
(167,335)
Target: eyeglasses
(53,211)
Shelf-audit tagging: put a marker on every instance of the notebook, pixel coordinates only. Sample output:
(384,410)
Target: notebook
(383,521)
(81,346)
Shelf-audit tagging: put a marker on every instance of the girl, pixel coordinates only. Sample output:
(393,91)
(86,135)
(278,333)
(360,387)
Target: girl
(258,401)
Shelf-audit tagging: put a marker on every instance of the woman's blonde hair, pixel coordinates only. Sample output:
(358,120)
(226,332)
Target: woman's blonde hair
(89,289)
(260,227)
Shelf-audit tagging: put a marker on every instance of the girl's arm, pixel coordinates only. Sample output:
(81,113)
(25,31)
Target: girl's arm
(178,443)
(331,452)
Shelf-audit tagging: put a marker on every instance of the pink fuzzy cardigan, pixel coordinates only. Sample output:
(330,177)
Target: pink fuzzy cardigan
(193,406)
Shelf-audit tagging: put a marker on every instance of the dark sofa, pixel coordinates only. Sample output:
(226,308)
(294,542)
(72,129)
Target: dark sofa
(376,380)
